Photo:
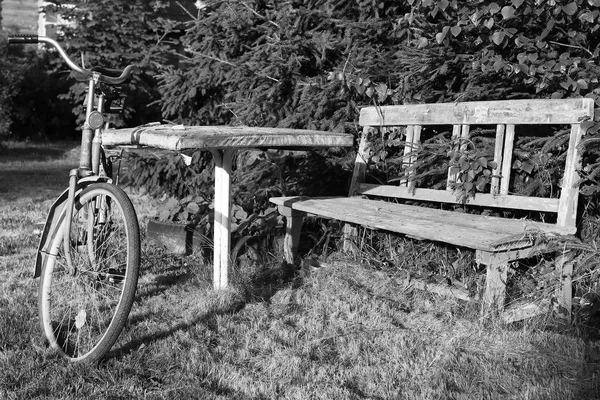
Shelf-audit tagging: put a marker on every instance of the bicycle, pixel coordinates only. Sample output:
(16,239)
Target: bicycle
(88,258)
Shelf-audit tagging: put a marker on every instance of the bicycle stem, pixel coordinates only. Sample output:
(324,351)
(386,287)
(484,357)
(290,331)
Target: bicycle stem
(87,134)
(97,141)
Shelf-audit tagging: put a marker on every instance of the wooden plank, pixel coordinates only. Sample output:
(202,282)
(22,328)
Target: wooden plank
(535,111)
(293,229)
(569,195)
(408,148)
(523,311)
(495,287)
(413,156)
(564,292)
(466,230)
(443,290)
(169,137)
(464,137)
(358,176)
(444,196)
(453,176)
(507,159)
(411,146)
(361,161)
(498,147)
(222,223)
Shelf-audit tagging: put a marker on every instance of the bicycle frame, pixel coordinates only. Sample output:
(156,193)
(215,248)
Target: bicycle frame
(89,170)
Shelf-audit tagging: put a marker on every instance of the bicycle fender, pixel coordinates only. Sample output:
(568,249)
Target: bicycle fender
(54,217)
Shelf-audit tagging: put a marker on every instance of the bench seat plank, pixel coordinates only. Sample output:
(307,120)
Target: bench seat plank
(172,137)
(474,231)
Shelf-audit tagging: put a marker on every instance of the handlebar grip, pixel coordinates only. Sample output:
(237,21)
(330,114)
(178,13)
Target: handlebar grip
(23,39)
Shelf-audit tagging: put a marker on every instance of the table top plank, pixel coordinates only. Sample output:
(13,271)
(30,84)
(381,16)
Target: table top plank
(177,137)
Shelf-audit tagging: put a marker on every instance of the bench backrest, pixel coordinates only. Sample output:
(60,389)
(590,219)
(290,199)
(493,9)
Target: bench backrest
(505,115)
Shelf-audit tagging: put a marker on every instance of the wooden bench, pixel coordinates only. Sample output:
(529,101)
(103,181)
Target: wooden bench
(497,241)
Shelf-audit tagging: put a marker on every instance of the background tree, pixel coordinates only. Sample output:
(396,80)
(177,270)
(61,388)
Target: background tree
(117,33)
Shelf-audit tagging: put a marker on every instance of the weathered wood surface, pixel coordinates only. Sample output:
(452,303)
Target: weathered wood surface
(466,230)
(445,196)
(537,111)
(520,311)
(171,137)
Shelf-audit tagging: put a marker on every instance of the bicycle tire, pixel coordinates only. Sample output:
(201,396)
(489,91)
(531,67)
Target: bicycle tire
(83,309)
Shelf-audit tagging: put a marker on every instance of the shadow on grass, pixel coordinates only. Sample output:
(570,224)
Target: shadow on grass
(209,384)
(260,287)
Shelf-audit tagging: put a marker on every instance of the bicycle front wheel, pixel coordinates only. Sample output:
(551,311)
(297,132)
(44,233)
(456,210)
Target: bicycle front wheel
(84,305)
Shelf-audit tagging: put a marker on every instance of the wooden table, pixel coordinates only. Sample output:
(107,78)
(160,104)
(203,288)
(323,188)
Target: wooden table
(223,142)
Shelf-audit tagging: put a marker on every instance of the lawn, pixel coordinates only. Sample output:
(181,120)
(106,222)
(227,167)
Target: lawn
(347,331)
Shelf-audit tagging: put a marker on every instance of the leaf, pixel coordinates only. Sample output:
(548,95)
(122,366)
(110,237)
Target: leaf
(482,161)
(80,319)
(440,37)
(481,182)
(381,89)
(489,23)
(582,84)
(595,3)
(587,17)
(570,9)
(443,4)
(498,37)
(527,167)
(494,8)
(423,42)
(508,12)
(517,3)
(455,30)
(192,207)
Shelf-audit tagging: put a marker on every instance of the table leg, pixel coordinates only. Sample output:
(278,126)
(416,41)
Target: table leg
(222,222)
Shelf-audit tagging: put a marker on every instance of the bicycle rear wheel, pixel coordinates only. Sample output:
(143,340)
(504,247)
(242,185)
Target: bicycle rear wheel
(83,307)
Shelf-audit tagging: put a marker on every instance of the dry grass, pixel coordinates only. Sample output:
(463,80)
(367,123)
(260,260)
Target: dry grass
(346,332)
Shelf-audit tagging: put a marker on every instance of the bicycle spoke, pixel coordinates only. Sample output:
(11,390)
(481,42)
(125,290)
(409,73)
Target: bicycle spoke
(87,305)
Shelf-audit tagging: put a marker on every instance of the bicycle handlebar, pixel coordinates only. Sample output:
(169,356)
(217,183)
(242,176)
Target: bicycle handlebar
(34,39)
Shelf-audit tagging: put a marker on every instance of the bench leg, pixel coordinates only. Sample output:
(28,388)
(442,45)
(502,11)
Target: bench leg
(350,239)
(293,228)
(495,282)
(564,293)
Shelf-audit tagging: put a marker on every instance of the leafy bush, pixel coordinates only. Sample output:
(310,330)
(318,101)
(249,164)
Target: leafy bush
(29,108)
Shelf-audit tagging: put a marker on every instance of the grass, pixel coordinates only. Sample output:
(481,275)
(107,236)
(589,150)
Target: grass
(348,331)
